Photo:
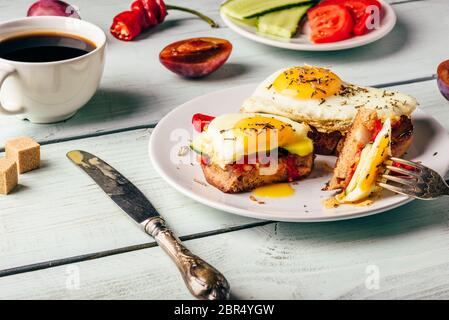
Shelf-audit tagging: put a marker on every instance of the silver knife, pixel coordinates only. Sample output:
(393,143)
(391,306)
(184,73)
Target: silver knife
(202,280)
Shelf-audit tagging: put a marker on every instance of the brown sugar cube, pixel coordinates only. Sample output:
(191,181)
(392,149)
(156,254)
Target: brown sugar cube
(8,175)
(25,152)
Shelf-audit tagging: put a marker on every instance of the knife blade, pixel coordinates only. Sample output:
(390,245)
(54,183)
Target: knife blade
(117,187)
(202,280)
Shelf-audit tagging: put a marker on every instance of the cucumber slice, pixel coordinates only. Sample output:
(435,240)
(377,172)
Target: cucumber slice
(200,146)
(244,9)
(282,23)
(195,149)
(251,22)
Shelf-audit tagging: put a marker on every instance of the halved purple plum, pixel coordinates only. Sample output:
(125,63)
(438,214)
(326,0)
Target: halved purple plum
(196,57)
(443,78)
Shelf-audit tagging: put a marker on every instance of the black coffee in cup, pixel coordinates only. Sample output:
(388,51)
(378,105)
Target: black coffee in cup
(44,47)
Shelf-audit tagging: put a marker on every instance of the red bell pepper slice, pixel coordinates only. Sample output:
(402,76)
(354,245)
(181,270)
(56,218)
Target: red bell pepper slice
(200,120)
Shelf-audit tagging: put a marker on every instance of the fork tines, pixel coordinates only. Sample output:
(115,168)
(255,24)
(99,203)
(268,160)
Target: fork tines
(406,162)
(406,180)
(402,171)
(414,180)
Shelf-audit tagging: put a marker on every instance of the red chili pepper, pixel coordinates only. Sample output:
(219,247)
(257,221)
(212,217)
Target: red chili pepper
(145,14)
(200,120)
(149,14)
(126,25)
(162,10)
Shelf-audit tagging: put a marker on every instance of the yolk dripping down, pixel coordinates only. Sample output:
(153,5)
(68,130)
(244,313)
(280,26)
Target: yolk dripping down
(307,83)
(280,190)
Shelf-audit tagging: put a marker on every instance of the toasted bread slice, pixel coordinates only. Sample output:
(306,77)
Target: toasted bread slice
(401,137)
(242,178)
(331,143)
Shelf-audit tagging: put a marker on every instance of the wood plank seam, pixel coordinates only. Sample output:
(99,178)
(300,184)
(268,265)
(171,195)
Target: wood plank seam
(107,253)
(404,82)
(403,2)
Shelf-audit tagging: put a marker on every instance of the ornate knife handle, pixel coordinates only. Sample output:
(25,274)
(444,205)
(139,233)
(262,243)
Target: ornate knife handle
(203,281)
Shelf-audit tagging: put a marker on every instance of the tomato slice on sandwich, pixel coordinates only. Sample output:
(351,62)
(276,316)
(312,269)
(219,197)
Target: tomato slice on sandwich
(330,23)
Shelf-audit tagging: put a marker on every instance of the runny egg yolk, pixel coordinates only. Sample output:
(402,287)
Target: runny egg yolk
(307,83)
(263,133)
(280,190)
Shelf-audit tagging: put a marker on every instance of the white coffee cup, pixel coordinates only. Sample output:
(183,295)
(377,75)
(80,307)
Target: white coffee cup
(45,92)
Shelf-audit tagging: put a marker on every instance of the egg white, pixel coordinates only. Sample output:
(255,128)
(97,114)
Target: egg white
(332,113)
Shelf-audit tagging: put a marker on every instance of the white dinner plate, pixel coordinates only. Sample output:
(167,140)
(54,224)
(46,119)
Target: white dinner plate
(301,41)
(184,173)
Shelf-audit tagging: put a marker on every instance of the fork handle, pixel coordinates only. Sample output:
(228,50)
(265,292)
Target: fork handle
(203,280)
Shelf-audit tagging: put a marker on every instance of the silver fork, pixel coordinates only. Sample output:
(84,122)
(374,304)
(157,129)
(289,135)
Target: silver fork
(421,182)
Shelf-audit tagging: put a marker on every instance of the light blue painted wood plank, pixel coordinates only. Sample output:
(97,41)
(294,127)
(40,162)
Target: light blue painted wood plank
(137,90)
(397,255)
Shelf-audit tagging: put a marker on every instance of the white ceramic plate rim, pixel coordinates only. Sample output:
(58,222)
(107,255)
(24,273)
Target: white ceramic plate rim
(350,212)
(387,24)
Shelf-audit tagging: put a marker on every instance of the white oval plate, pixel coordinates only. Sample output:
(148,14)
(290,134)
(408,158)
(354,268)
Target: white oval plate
(301,41)
(184,173)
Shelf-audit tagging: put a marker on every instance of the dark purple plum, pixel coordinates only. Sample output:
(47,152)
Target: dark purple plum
(443,78)
(196,57)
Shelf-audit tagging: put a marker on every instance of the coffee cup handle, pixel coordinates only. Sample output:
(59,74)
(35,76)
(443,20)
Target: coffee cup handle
(5,71)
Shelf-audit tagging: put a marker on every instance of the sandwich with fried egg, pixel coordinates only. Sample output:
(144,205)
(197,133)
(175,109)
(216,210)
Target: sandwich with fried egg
(243,151)
(362,157)
(318,97)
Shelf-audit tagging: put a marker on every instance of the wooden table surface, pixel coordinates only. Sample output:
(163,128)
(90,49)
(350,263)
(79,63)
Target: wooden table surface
(60,237)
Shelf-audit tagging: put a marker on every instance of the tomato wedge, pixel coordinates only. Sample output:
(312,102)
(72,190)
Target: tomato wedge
(402,166)
(330,23)
(200,120)
(360,11)
(204,160)
(377,127)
